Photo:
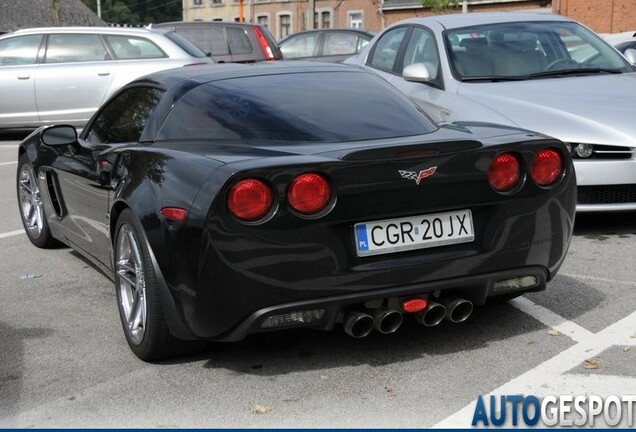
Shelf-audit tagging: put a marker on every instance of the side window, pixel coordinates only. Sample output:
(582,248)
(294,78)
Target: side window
(124,118)
(422,49)
(130,47)
(219,42)
(300,46)
(386,50)
(20,50)
(238,40)
(65,48)
(340,43)
(201,37)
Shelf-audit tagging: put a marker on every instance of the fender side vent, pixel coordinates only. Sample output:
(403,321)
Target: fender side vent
(54,193)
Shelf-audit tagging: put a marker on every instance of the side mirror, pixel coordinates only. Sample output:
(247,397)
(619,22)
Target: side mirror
(630,55)
(59,135)
(417,72)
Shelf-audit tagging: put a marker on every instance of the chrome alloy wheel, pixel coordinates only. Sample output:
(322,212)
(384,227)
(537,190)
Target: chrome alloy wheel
(131,284)
(31,202)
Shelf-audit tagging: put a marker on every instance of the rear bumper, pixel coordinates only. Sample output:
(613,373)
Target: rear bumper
(474,288)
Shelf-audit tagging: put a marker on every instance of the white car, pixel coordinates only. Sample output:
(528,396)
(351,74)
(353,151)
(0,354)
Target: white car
(540,72)
(63,74)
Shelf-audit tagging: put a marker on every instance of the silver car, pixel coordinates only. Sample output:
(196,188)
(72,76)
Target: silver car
(536,71)
(63,74)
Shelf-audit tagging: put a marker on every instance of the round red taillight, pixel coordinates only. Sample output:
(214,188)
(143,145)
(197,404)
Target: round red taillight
(547,167)
(504,172)
(249,200)
(308,194)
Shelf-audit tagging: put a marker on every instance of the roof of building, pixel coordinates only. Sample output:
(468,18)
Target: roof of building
(41,13)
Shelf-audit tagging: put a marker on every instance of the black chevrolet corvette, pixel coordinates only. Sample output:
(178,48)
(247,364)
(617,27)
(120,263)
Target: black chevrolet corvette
(235,199)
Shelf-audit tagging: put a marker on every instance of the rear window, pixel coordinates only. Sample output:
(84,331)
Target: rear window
(186,45)
(301,107)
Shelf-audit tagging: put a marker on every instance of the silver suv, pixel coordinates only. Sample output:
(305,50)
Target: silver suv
(63,74)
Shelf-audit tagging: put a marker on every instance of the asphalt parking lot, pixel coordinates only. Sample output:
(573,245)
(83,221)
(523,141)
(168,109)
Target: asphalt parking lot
(64,361)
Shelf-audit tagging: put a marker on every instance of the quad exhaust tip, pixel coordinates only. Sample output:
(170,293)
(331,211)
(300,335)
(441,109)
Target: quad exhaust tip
(387,321)
(432,315)
(358,324)
(458,309)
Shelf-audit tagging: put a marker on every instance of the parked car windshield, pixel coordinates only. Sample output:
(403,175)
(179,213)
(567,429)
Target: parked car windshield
(323,107)
(529,50)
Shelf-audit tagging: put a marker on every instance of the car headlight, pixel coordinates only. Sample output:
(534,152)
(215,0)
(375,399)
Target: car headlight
(583,150)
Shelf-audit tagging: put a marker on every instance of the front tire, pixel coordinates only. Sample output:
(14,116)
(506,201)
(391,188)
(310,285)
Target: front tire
(31,206)
(138,296)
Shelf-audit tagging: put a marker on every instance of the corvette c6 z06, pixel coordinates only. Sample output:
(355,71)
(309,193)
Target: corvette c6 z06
(235,199)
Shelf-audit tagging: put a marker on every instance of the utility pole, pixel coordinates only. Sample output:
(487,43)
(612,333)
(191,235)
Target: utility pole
(99,8)
(55,13)
(312,14)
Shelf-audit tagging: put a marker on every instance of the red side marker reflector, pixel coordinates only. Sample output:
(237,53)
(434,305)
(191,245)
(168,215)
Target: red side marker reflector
(414,305)
(174,213)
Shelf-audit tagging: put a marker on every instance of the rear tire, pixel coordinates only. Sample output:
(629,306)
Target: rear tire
(31,206)
(138,295)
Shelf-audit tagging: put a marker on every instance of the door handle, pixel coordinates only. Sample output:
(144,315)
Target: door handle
(103,73)
(24,77)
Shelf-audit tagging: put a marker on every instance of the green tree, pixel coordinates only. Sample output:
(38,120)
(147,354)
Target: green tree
(442,6)
(138,11)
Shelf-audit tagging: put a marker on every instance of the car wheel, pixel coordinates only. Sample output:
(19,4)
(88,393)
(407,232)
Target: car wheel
(138,297)
(31,206)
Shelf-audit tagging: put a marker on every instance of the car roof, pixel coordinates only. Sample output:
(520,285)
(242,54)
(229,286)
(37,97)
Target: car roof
(479,18)
(87,29)
(359,31)
(213,72)
(203,24)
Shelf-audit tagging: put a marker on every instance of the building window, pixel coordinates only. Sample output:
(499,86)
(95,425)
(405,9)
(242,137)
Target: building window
(355,19)
(197,2)
(263,20)
(284,24)
(325,19)
(322,19)
(217,2)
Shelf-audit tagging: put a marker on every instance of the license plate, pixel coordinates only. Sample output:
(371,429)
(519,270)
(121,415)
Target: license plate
(415,232)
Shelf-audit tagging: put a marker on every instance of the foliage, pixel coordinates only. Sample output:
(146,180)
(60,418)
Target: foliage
(442,6)
(138,11)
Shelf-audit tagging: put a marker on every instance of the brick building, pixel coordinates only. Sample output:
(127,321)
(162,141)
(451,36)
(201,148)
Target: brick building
(284,17)
(602,16)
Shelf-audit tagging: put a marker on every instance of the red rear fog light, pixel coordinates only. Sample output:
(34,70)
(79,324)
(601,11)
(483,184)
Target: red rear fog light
(414,305)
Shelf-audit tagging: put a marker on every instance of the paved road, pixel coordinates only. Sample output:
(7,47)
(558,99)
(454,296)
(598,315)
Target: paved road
(64,361)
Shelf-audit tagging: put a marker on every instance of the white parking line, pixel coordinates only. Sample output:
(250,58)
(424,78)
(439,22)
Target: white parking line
(8,163)
(550,378)
(11,233)
(550,319)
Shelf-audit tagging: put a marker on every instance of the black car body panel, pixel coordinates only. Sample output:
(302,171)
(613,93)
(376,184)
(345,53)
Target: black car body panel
(222,277)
